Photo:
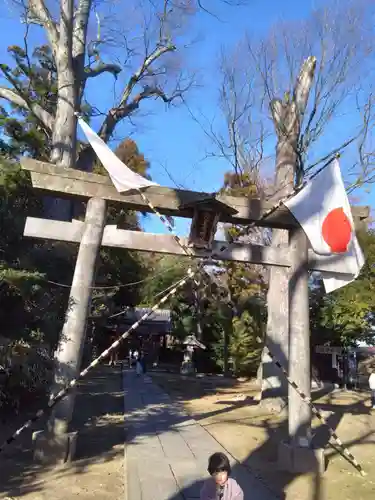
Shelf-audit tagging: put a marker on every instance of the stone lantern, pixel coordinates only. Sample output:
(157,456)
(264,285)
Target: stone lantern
(191,343)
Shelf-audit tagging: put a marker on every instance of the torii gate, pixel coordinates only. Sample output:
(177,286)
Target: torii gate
(92,233)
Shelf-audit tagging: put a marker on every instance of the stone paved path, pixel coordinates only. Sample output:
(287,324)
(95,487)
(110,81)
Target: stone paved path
(167,451)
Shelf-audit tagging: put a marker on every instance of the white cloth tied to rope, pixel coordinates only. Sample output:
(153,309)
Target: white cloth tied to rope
(122,177)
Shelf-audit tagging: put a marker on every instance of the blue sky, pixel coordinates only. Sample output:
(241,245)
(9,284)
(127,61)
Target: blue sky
(169,138)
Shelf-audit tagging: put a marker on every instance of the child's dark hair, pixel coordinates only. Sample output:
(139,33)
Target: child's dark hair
(218,462)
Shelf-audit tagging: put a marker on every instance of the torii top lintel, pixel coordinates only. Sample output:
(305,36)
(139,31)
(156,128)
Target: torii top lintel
(66,182)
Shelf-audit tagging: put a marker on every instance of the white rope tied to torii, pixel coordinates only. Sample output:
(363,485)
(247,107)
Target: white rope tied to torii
(124,179)
(342,448)
(65,390)
(321,208)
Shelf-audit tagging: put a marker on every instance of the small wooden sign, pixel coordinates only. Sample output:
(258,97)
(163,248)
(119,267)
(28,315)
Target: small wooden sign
(326,349)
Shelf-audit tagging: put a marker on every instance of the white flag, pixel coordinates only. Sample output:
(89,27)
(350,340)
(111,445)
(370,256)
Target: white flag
(122,177)
(322,209)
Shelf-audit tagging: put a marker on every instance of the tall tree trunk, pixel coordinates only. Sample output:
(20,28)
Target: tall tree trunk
(64,130)
(287,117)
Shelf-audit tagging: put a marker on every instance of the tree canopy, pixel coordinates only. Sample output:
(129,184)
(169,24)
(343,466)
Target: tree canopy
(346,316)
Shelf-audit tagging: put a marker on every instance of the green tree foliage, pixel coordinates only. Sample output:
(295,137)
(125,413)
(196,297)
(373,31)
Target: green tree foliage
(240,184)
(116,265)
(245,281)
(35,276)
(212,315)
(35,79)
(30,308)
(162,273)
(217,322)
(245,284)
(231,298)
(345,316)
(29,304)
(244,348)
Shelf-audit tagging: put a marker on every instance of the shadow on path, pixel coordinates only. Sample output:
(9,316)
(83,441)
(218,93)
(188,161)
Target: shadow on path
(261,463)
(99,418)
(101,438)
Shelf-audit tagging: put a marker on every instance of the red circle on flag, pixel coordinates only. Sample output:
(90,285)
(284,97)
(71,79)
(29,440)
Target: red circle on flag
(337,230)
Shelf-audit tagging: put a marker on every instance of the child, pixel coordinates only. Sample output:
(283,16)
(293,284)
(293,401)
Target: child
(220,486)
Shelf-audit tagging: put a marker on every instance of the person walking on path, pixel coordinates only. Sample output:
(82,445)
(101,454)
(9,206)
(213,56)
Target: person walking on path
(138,368)
(135,355)
(220,486)
(142,360)
(371,383)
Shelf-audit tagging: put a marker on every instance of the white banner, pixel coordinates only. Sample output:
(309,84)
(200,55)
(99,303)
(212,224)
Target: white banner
(122,177)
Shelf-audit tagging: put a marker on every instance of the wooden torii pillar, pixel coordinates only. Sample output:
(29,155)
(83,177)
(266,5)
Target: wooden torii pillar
(98,190)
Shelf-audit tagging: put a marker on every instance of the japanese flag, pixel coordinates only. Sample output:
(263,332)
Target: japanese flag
(122,177)
(322,208)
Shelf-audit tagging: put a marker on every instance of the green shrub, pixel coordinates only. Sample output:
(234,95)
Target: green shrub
(243,348)
(26,375)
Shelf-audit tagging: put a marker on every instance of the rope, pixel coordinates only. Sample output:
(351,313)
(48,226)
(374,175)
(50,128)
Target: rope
(341,447)
(179,284)
(120,285)
(64,391)
(169,226)
(124,311)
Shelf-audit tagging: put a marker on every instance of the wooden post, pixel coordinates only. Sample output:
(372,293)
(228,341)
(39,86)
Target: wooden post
(197,307)
(69,352)
(299,340)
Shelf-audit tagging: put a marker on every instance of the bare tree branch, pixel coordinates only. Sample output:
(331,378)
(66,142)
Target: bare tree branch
(81,19)
(145,66)
(240,141)
(337,35)
(40,13)
(157,24)
(79,35)
(364,169)
(149,79)
(115,69)
(124,108)
(235,3)
(43,116)
(148,92)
